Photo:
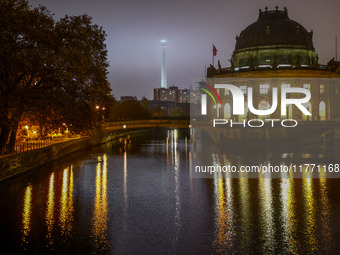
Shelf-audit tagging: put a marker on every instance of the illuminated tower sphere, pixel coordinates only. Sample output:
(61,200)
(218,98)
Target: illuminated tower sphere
(163,67)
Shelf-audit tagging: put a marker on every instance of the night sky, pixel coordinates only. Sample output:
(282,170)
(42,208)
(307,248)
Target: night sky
(135,27)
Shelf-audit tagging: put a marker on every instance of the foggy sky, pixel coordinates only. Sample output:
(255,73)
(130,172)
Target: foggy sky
(135,27)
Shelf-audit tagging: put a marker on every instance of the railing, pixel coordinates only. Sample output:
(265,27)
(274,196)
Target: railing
(213,71)
(32,145)
(145,122)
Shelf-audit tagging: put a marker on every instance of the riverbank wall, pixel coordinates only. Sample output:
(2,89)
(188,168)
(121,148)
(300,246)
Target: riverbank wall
(18,164)
(24,162)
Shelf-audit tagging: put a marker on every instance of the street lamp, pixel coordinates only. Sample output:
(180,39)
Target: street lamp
(26,127)
(66,131)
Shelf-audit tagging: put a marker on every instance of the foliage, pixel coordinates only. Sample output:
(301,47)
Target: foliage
(129,110)
(52,71)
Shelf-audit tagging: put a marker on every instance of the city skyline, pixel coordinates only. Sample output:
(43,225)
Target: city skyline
(134,30)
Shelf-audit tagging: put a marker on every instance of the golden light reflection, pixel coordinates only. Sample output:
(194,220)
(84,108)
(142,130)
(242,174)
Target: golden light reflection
(288,215)
(325,215)
(266,214)
(221,221)
(66,202)
(245,211)
(50,210)
(100,212)
(224,209)
(26,214)
(309,210)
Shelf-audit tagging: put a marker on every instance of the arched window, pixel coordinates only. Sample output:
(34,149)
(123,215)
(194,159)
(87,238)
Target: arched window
(322,110)
(244,116)
(263,105)
(227,111)
(290,112)
(309,108)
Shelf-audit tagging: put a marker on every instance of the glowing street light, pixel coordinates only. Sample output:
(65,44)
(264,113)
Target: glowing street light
(66,131)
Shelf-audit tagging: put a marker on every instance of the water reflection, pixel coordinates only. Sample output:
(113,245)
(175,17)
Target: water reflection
(100,212)
(229,206)
(326,238)
(26,214)
(245,216)
(50,210)
(162,208)
(126,201)
(66,202)
(266,213)
(309,203)
(176,170)
(288,216)
(224,210)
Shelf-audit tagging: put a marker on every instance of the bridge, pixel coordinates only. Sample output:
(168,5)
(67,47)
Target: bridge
(108,129)
(134,124)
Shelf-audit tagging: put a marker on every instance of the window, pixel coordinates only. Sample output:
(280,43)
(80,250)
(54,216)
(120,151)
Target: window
(322,89)
(322,110)
(264,89)
(227,111)
(268,59)
(244,89)
(308,106)
(226,92)
(285,85)
(306,86)
(263,105)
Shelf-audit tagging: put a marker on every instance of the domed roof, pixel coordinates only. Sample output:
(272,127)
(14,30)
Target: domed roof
(274,28)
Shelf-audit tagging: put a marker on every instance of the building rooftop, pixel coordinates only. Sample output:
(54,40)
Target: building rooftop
(274,28)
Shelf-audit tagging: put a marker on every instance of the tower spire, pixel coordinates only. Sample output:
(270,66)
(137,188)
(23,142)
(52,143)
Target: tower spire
(163,66)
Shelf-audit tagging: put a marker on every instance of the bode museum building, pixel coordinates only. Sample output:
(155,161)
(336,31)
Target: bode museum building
(278,52)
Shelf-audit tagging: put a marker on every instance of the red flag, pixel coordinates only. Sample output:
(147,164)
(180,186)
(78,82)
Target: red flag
(214,50)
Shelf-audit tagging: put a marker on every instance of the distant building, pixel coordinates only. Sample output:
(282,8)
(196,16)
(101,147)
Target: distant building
(125,98)
(166,94)
(172,94)
(184,96)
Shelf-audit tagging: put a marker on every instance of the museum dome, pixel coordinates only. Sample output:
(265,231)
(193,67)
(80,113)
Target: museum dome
(275,40)
(274,28)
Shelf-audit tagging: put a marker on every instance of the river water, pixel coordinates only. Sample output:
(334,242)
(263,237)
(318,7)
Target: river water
(139,196)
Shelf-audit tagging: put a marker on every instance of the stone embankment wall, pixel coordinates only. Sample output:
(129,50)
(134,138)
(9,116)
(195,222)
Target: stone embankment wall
(18,164)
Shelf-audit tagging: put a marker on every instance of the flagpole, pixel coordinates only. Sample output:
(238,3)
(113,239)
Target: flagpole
(214,52)
(213,57)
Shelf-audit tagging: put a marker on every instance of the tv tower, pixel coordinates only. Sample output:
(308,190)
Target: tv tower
(163,66)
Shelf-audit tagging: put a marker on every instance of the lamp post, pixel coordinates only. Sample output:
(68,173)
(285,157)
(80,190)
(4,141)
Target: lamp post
(99,109)
(26,127)
(66,131)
